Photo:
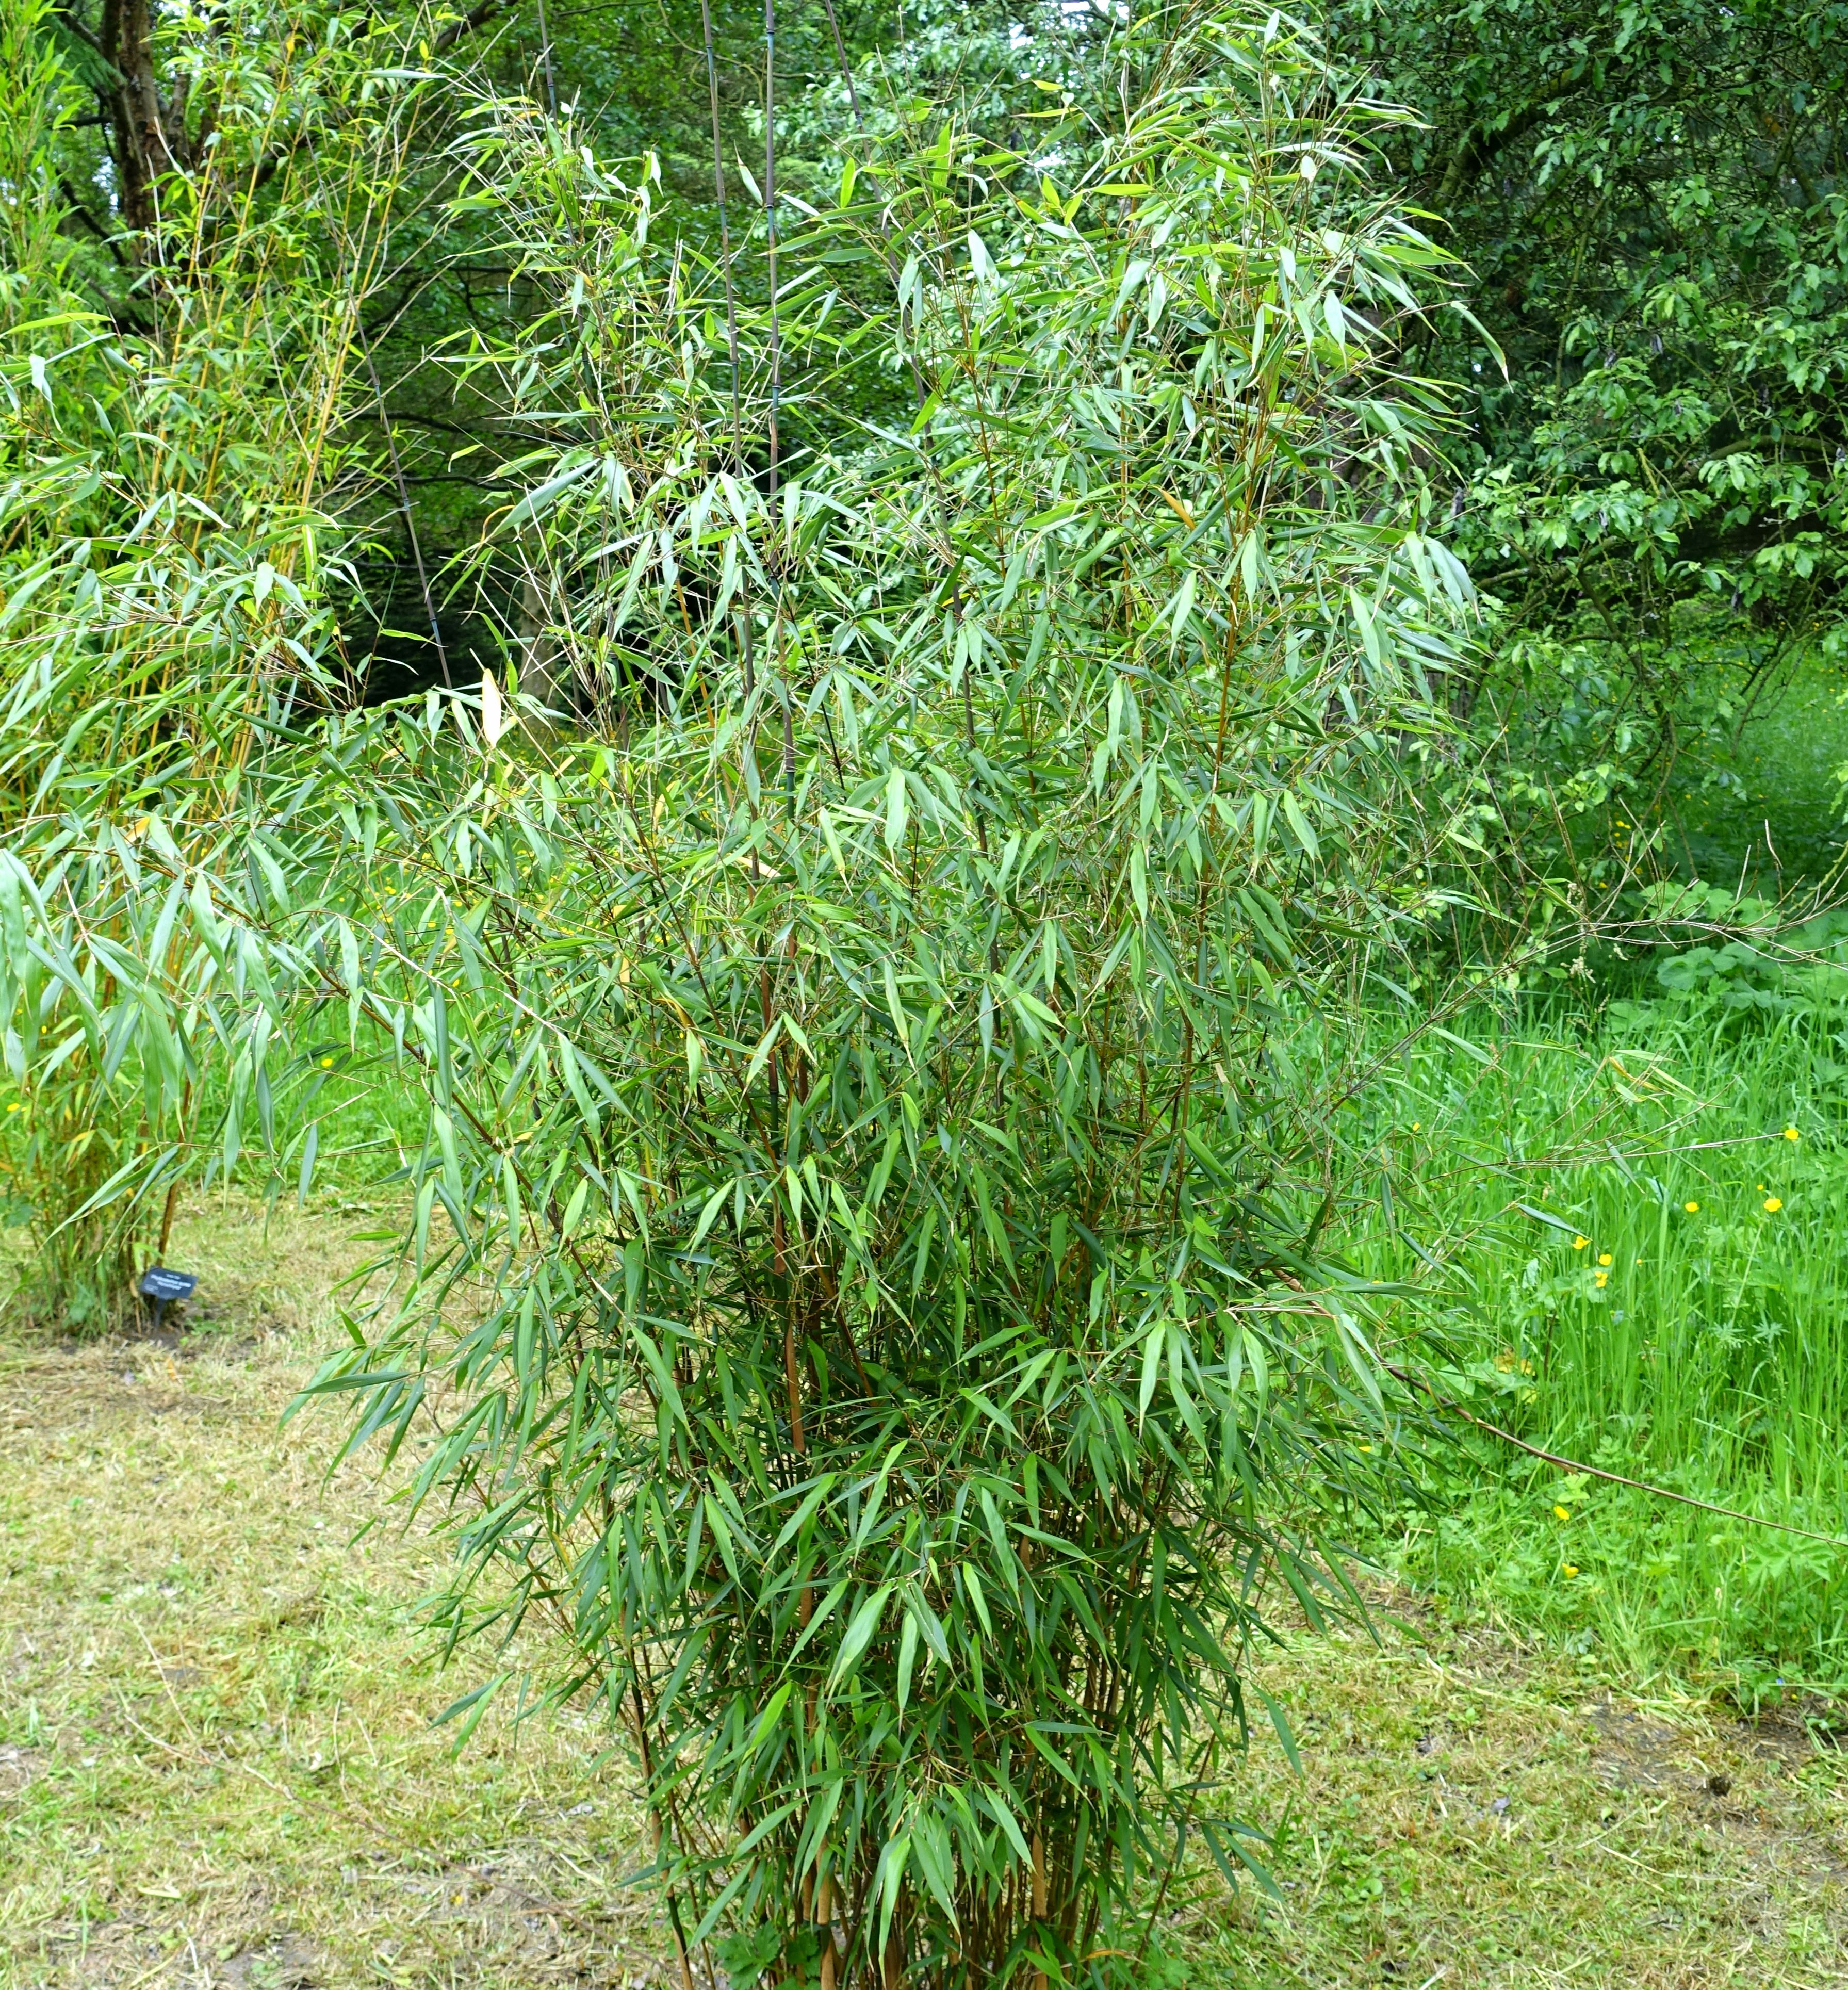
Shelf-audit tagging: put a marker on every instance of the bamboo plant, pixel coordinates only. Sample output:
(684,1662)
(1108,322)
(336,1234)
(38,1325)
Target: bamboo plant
(862,1273)
(179,474)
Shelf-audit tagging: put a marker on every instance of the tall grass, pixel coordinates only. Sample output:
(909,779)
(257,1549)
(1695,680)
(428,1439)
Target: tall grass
(1639,1215)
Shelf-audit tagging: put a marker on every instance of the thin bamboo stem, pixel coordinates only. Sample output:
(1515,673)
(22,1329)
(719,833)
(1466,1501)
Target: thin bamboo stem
(769,216)
(552,90)
(725,235)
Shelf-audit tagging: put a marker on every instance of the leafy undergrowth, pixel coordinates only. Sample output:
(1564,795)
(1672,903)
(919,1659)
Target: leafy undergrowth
(218,1764)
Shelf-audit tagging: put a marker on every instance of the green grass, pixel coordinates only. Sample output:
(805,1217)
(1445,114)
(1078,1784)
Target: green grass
(1770,810)
(219,1767)
(1711,1359)
(1647,1274)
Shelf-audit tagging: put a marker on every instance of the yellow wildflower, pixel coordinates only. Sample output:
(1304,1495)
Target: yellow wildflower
(1572,1568)
(1579,1243)
(1561,1513)
(1791,1133)
(1604,1257)
(1690,1207)
(1604,1278)
(1772,1205)
(326,1063)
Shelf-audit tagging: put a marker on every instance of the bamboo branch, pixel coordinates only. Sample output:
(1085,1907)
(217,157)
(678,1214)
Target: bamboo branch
(725,235)
(1455,1408)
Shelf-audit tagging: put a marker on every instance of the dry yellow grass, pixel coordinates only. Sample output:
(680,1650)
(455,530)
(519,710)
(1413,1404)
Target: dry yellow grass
(218,1758)
(217,1763)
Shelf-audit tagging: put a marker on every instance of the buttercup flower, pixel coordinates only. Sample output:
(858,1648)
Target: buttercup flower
(326,1063)
(1791,1133)
(1772,1205)
(1690,1207)
(1604,1278)
(1604,1257)
(1562,1514)
(1579,1243)
(1571,1568)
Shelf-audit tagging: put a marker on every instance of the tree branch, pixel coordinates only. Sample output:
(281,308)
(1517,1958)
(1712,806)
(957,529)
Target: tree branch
(67,17)
(477,17)
(1479,145)
(89,220)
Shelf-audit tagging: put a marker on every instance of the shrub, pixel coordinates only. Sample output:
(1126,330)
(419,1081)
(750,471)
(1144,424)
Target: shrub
(863,1266)
(174,466)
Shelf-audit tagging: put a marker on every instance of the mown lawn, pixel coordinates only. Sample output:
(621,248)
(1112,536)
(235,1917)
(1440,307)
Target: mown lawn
(217,1763)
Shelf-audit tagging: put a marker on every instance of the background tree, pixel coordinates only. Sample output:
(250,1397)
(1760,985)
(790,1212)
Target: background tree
(1650,200)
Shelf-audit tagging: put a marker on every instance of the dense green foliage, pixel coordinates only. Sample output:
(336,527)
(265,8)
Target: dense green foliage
(902,1351)
(861,1257)
(1650,199)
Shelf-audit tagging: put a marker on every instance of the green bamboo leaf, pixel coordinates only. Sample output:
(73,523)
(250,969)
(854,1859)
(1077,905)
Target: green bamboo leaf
(859,1634)
(1153,1343)
(1299,822)
(896,809)
(908,1652)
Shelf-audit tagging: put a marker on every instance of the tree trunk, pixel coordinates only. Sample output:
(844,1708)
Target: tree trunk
(140,143)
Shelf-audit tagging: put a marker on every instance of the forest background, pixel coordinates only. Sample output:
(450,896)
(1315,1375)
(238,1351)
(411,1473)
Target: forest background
(306,575)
